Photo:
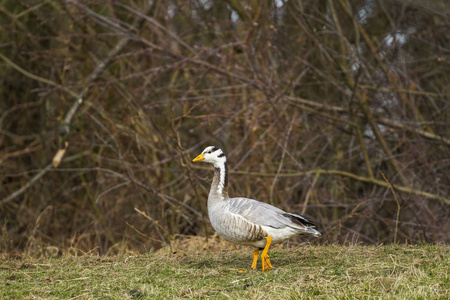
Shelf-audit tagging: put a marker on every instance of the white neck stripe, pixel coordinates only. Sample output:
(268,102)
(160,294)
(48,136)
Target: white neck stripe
(223,175)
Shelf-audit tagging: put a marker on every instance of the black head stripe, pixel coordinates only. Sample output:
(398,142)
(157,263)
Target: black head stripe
(221,155)
(214,149)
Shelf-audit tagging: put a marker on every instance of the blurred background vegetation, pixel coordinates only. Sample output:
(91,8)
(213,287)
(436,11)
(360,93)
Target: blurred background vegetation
(334,109)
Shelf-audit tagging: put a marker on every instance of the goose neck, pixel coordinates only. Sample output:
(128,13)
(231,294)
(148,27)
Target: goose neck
(219,187)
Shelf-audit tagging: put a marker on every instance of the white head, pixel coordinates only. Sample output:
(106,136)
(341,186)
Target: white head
(212,155)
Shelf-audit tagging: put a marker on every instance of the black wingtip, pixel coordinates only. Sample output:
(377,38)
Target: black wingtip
(301,220)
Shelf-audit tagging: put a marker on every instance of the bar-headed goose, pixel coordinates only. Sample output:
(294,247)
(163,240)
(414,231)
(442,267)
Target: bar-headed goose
(246,221)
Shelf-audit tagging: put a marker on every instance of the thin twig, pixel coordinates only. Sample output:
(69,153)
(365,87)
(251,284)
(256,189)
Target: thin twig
(398,205)
(350,175)
(283,154)
(308,194)
(35,77)
(36,177)
(380,138)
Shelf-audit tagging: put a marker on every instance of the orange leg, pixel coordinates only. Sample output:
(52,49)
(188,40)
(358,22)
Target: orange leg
(264,257)
(255,258)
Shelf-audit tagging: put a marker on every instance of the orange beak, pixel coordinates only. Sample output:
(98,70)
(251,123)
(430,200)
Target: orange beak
(198,158)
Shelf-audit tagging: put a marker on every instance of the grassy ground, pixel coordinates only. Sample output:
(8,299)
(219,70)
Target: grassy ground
(314,272)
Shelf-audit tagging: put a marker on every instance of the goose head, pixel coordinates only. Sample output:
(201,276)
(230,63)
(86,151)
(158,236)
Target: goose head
(212,155)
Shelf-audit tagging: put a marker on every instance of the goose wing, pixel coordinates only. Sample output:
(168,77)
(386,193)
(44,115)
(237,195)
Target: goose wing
(264,214)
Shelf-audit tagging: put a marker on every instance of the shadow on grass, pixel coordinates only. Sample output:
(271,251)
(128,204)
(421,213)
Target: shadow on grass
(242,260)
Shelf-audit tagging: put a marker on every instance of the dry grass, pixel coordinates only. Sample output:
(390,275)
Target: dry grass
(392,271)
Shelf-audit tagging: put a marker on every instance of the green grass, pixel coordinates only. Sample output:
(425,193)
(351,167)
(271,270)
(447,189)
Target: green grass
(315,272)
